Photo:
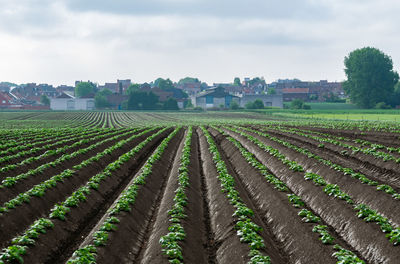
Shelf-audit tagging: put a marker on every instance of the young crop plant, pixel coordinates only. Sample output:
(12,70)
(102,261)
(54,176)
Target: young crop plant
(308,216)
(247,230)
(13,254)
(363,211)
(169,242)
(322,230)
(295,200)
(345,256)
(60,210)
(126,199)
(40,189)
(11,181)
(346,171)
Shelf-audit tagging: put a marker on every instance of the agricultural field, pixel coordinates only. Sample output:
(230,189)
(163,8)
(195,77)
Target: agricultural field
(236,187)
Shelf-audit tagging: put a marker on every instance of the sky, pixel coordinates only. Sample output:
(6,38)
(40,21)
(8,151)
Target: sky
(60,41)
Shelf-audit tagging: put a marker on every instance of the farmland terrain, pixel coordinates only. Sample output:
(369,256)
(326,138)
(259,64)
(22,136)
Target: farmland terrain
(238,187)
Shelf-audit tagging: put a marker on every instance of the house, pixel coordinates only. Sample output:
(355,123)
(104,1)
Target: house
(5,100)
(191,88)
(113,87)
(119,87)
(69,102)
(273,100)
(213,98)
(290,94)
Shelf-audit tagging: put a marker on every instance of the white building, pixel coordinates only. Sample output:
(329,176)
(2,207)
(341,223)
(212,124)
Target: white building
(69,102)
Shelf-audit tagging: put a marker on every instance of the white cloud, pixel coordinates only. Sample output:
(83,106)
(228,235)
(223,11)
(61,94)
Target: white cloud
(60,41)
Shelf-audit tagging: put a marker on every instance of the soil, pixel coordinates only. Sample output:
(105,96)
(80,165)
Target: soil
(336,213)
(211,236)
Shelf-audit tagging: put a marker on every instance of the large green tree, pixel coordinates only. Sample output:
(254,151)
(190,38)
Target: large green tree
(142,101)
(100,100)
(370,77)
(84,88)
(165,84)
(188,80)
(237,82)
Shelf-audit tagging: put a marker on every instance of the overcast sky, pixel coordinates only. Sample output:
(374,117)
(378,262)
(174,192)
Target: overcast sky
(60,41)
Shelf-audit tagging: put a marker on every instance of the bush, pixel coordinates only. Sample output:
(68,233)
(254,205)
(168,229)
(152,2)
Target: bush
(257,104)
(234,105)
(198,108)
(382,105)
(171,104)
(299,104)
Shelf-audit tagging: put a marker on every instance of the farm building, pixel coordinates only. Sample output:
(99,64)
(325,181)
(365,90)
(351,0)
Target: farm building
(214,98)
(69,102)
(273,100)
(290,94)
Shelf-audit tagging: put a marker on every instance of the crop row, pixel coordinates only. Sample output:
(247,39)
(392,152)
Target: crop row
(346,171)
(40,189)
(247,230)
(307,216)
(169,242)
(22,243)
(362,210)
(123,204)
(373,150)
(81,139)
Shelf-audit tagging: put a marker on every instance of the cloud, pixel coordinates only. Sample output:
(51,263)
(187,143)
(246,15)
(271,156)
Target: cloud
(222,8)
(62,40)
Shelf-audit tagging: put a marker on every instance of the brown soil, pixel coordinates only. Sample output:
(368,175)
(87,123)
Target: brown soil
(126,243)
(384,138)
(28,183)
(59,242)
(193,248)
(375,168)
(279,218)
(16,220)
(336,213)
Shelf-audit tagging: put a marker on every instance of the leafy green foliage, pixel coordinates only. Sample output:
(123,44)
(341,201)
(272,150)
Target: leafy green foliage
(370,77)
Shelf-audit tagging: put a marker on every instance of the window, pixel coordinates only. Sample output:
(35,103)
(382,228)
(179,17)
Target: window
(209,99)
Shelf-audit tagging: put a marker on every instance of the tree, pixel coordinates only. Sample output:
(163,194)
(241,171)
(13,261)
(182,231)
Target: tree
(271,91)
(44,99)
(165,84)
(100,100)
(142,101)
(395,97)
(171,104)
(188,80)
(84,88)
(134,87)
(236,81)
(370,77)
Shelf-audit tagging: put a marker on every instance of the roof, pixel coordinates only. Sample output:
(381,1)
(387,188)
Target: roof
(295,90)
(88,96)
(216,92)
(65,96)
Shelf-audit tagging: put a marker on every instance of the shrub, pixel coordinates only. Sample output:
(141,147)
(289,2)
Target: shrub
(382,105)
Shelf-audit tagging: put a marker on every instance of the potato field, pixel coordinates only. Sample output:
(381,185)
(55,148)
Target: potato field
(125,187)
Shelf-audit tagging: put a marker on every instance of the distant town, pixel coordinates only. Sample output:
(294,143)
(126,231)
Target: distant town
(188,93)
